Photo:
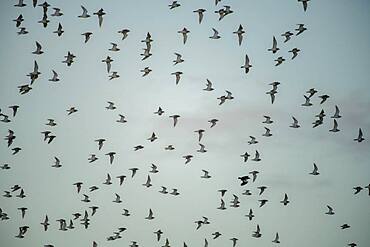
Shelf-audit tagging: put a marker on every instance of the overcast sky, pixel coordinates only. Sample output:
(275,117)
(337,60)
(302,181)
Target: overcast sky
(334,59)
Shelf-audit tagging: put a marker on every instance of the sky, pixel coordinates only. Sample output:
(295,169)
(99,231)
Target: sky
(334,59)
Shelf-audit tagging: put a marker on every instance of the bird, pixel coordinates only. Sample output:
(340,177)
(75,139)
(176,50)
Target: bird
(100,14)
(57,12)
(323,98)
(250,215)
(19,20)
(22,31)
(276,240)
(175,119)
(295,123)
(38,50)
(287,36)
(257,233)
(174,4)
(213,122)
(285,201)
(87,36)
(184,33)
(252,140)
(16,150)
(146,71)
(245,156)
(84,13)
(315,171)
(108,61)
(254,174)
(72,110)
(159,112)
(111,156)
(154,169)
(240,33)
(158,233)
(304,2)
(295,52)
(178,76)
(336,114)
(335,127)
(208,86)
(126,212)
(274,47)
(45,223)
(92,158)
(243,180)
(307,102)
(200,134)
(222,99)
(69,59)
(279,61)
(23,211)
(124,33)
(35,73)
(138,147)
(100,143)
(300,29)
(148,182)
(206,174)
(187,158)
(114,75)
(357,189)
(117,199)
(122,119)
(201,149)
(78,186)
(216,235)
(267,120)
(345,226)
(110,106)
(44,21)
(86,198)
(114,47)
(222,206)
(133,171)
(200,13)
(262,189)
(267,133)
(150,215)
(55,77)
(20,3)
(272,95)
(174,192)
(146,54)
(215,34)
(56,163)
(59,30)
(108,180)
(121,179)
(257,156)
(330,210)
(164,190)
(246,65)
(360,137)
(178,59)
(222,191)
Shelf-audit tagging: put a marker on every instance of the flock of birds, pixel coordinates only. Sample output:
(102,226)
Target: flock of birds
(68,223)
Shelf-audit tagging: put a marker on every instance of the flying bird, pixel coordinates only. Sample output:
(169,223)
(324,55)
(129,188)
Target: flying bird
(200,13)
(360,137)
(305,3)
(100,14)
(246,65)
(274,47)
(184,33)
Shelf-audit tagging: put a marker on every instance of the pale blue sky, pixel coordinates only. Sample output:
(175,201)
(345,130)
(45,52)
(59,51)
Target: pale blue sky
(334,59)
